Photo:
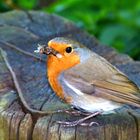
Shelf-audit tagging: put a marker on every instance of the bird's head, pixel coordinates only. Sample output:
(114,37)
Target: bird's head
(64,53)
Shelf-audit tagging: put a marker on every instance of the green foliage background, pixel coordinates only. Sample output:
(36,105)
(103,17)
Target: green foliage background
(114,23)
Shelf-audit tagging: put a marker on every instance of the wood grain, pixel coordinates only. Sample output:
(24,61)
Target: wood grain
(19,36)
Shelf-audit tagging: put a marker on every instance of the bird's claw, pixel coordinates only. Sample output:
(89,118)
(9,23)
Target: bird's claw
(90,124)
(75,123)
(80,121)
(68,124)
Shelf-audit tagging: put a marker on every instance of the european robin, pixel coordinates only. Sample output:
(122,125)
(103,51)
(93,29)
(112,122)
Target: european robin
(86,80)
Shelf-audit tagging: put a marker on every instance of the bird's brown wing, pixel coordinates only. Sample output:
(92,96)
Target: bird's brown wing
(99,78)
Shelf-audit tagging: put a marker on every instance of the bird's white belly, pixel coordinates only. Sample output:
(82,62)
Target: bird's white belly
(90,106)
(91,103)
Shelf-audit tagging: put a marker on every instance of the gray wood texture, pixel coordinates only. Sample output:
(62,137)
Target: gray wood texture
(20,32)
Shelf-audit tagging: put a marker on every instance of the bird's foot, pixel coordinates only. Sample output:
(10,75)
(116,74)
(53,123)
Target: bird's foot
(75,123)
(80,121)
(72,111)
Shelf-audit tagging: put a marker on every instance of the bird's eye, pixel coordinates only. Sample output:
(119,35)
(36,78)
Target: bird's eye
(69,49)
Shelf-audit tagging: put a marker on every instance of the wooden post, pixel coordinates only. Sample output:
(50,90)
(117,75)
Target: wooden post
(19,36)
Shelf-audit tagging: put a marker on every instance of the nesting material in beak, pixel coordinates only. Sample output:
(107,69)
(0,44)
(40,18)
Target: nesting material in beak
(43,49)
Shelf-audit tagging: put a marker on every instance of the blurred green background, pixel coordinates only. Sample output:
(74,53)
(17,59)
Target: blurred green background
(114,23)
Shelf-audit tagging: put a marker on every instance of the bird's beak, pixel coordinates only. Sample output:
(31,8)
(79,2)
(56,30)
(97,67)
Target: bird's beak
(43,49)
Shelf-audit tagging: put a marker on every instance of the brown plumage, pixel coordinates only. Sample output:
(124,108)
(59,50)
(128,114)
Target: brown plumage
(86,80)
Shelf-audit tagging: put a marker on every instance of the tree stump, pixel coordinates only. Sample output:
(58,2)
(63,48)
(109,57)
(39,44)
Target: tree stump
(20,32)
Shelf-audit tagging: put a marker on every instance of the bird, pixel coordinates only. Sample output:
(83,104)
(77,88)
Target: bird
(86,80)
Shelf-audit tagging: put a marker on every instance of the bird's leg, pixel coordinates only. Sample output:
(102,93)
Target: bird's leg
(72,111)
(64,110)
(80,121)
(75,112)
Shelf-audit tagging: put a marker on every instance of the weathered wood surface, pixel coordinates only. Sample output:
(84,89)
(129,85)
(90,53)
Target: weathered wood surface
(19,35)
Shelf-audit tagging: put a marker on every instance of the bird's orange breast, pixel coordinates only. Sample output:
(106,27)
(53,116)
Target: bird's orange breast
(55,67)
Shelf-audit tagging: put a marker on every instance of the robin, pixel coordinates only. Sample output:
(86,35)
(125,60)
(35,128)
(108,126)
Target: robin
(86,80)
